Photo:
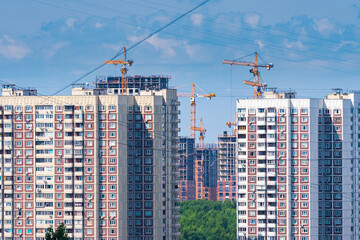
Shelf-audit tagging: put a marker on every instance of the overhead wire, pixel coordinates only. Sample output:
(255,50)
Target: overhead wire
(289,177)
(294,50)
(271,46)
(250,27)
(137,43)
(227,46)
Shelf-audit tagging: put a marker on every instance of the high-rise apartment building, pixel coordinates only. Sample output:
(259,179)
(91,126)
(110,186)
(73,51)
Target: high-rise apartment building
(297,170)
(226,166)
(186,168)
(205,171)
(102,163)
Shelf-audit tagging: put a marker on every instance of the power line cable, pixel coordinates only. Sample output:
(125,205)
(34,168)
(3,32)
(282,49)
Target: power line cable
(136,44)
(232,38)
(250,28)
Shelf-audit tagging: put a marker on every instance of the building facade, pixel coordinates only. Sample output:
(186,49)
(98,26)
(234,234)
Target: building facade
(104,164)
(186,168)
(205,170)
(297,167)
(226,166)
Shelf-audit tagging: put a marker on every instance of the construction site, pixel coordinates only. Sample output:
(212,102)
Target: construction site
(208,171)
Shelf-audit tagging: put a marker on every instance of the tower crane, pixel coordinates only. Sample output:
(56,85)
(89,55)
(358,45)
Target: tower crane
(124,70)
(229,124)
(193,95)
(256,84)
(202,133)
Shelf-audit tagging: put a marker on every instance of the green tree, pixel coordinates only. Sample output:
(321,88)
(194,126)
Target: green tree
(207,220)
(59,234)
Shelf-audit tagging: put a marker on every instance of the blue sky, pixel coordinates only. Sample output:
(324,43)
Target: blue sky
(314,46)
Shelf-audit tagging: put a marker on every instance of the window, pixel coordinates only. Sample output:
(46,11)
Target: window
(337,111)
(304,119)
(304,111)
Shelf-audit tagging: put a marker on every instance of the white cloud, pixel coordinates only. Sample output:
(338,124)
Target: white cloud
(324,26)
(70,22)
(346,43)
(134,39)
(259,43)
(192,50)
(166,46)
(197,19)
(294,45)
(252,19)
(98,25)
(54,48)
(12,50)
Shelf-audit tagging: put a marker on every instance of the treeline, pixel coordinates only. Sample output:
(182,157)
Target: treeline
(207,220)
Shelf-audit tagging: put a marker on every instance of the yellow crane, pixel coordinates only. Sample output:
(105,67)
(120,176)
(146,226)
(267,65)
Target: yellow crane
(193,95)
(256,84)
(202,133)
(229,124)
(124,70)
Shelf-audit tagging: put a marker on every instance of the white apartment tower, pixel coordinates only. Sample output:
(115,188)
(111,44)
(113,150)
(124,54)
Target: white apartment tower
(298,167)
(102,163)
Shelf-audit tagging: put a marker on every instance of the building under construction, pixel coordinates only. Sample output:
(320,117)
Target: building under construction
(186,168)
(206,172)
(135,84)
(226,166)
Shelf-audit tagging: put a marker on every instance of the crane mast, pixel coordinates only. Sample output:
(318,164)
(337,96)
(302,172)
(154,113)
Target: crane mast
(202,133)
(229,124)
(193,95)
(256,84)
(124,70)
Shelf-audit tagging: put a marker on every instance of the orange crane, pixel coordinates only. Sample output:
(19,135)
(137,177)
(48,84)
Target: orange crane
(229,124)
(256,84)
(124,70)
(202,133)
(193,95)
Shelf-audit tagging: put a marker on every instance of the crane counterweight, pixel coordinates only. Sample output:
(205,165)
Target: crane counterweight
(256,84)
